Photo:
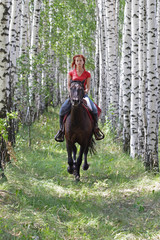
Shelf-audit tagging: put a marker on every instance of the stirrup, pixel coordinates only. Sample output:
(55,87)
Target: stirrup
(59,137)
(99,135)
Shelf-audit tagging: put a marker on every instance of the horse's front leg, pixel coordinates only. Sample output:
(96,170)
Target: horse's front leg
(74,152)
(70,159)
(79,161)
(74,158)
(85,165)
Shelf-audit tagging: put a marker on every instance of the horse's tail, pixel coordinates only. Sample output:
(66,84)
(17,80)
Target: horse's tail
(92,144)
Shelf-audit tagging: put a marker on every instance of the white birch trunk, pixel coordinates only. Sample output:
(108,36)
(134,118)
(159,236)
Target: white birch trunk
(57,93)
(152,79)
(126,75)
(51,54)
(21,93)
(12,39)
(158,46)
(112,32)
(4,77)
(142,121)
(102,86)
(24,28)
(13,47)
(34,45)
(97,56)
(3,57)
(4,52)
(134,79)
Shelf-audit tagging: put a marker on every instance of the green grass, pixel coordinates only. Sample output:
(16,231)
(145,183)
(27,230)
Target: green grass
(115,199)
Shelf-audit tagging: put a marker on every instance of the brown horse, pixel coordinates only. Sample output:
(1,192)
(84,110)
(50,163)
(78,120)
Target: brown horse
(78,129)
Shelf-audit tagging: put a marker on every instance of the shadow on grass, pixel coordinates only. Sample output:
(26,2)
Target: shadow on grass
(98,212)
(108,203)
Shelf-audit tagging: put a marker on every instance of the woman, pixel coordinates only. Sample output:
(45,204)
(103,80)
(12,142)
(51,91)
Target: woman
(79,74)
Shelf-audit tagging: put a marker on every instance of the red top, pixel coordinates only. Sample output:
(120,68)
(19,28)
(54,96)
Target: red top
(82,77)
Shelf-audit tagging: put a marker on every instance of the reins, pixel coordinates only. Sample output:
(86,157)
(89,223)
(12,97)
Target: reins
(81,85)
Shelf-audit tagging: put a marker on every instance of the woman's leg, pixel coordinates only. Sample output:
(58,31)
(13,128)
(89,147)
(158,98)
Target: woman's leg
(98,134)
(65,108)
(91,105)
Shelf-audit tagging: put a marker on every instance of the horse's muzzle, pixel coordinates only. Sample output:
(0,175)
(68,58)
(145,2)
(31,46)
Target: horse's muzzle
(75,102)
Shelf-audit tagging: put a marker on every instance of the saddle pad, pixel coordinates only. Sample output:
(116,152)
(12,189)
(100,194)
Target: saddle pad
(87,109)
(98,109)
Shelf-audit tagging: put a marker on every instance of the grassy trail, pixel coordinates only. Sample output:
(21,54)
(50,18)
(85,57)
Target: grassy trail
(115,199)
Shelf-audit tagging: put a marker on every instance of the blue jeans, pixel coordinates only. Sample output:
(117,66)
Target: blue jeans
(66,106)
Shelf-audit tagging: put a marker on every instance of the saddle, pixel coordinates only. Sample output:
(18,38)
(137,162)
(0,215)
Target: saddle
(87,108)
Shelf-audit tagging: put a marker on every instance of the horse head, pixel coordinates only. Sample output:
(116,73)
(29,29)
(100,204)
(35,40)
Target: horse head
(76,92)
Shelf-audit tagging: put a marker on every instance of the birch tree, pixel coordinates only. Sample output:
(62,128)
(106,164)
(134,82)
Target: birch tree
(13,51)
(112,32)
(3,56)
(97,55)
(4,77)
(134,79)
(158,46)
(142,121)
(24,33)
(102,45)
(151,159)
(23,65)
(107,59)
(126,75)
(34,46)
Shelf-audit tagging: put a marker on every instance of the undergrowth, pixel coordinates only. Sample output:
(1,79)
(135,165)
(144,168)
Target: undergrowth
(115,199)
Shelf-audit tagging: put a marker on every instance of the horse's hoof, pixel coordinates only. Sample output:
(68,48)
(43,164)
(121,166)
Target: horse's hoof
(85,167)
(77,178)
(70,169)
(74,172)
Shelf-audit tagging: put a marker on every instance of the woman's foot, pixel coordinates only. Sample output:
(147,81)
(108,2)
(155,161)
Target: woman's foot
(59,137)
(98,134)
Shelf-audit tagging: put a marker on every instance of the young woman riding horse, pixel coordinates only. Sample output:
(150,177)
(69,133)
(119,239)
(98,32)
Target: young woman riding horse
(78,129)
(79,74)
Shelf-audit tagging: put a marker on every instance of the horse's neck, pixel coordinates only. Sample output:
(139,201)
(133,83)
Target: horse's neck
(76,114)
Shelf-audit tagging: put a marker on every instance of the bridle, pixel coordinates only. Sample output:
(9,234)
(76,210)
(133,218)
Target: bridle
(75,97)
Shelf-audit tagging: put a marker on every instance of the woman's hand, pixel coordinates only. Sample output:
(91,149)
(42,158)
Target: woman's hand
(87,85)
(86,90)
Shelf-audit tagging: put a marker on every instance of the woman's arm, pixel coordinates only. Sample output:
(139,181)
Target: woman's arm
(88,84)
